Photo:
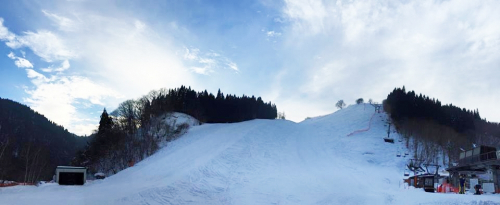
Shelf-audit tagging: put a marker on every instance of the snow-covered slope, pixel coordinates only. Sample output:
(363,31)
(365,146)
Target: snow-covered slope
(261,162)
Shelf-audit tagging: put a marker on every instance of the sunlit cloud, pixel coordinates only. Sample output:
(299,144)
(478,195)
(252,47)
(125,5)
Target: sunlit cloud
(56,97)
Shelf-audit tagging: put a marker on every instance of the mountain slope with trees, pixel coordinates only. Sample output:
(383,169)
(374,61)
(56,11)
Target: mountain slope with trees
(31,146)
(435,129)
(135,129)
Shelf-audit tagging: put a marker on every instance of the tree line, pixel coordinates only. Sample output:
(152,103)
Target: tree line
(207,107)
(432,129)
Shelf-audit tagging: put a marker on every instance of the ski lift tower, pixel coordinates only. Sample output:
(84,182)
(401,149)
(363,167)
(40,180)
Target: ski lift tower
(415,167)
(388,139)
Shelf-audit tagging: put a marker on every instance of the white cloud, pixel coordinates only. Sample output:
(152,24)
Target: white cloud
(206,63)
(64,66)
(206,70)
(306,14)
(273,34)
(45,44)
(65,24)
(448,50)
(37,78)
(56,97)
(232,66)
(5,34)
(20,62)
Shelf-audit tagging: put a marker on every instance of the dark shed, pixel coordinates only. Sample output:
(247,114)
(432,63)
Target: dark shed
(67,175)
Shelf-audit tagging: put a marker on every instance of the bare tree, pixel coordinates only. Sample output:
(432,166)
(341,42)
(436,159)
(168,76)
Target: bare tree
(340,104)
(3,146)
(128,113)
(281,115)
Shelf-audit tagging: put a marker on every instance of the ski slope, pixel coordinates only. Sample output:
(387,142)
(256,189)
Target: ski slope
(261,162)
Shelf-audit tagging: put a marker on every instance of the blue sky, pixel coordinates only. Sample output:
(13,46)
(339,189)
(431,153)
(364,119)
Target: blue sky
(70,59)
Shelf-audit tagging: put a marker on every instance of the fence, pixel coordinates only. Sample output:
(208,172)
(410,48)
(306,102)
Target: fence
(9,184)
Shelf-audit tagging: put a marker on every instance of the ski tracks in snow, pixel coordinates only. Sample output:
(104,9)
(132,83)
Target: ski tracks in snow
(243,154)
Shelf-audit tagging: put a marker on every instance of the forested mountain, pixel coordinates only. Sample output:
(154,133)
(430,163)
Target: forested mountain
(434,127)
(31,146)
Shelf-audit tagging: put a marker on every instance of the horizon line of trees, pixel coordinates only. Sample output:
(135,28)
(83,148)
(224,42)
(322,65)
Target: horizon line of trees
(207,107)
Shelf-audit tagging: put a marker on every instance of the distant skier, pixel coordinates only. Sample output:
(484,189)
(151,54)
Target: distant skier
(462,185)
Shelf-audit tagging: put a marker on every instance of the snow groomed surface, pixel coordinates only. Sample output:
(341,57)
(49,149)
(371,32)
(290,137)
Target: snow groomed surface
(261,162)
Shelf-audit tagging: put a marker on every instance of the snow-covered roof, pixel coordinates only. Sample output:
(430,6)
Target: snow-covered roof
(70,167)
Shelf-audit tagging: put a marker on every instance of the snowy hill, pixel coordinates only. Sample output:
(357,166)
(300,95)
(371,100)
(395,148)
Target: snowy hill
(261,162)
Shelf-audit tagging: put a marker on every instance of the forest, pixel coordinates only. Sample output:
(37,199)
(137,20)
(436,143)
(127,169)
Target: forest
(438,132)
(31,146)
(206,107)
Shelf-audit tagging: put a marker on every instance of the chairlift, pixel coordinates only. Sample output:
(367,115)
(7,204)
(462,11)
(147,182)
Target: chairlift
(389,140)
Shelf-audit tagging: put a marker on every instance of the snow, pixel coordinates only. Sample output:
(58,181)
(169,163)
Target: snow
(176,119)
(99,174)
(261,162)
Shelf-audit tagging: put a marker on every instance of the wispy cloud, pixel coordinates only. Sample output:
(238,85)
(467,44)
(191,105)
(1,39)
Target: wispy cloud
(206,63)
(20,62)
(63,23)
(64,66)
(273,34)
(43,43)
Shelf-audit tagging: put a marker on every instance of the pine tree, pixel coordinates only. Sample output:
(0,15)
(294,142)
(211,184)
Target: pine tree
(105,124)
